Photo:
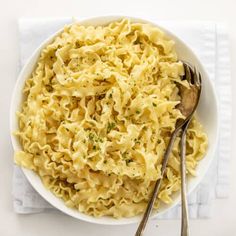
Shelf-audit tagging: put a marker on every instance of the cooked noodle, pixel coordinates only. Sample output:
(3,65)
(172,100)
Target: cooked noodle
(98,112)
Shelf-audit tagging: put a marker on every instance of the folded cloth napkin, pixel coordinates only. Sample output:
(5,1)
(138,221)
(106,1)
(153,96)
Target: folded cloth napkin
(210,42)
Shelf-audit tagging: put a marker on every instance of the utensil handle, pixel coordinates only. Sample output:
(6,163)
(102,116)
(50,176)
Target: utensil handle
(184,205)
(157,185)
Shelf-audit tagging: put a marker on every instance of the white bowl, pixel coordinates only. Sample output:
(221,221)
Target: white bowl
(207,112)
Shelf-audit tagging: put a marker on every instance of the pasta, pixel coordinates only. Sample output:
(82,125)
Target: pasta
(98,112)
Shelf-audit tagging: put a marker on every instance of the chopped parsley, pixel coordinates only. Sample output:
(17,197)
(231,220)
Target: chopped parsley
(100,140)
(94,138)
(136,140)
(124,155)
(111,125)
(91,136)
(154,104)
(138,112)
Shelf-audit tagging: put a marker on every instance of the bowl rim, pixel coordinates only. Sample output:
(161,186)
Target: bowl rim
(107,19)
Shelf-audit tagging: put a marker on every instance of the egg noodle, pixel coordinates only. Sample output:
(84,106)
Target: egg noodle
(97,116)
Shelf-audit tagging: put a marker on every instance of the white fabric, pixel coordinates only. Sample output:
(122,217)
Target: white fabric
(210,42)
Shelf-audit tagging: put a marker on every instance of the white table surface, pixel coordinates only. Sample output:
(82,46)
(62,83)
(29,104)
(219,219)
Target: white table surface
(223,222)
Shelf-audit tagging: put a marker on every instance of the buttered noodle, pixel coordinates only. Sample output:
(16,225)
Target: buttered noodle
(98,112)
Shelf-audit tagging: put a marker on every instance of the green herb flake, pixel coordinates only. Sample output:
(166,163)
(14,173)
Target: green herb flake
(91,136)
(100,140)
(111,125)
(124,155)
(154,104)
(138,112)
(137,141)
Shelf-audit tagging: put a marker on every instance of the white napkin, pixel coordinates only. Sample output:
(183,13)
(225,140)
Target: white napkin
(210,42)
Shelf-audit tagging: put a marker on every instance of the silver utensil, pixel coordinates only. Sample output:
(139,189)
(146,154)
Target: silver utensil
(184,203)
(189,101)
(195,82)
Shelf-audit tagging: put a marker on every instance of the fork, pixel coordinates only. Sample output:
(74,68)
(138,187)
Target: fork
(188,109)
(184,203)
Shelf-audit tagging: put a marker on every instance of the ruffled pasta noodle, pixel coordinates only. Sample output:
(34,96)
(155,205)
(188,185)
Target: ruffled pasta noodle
(98,112)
